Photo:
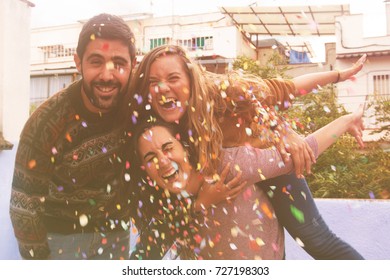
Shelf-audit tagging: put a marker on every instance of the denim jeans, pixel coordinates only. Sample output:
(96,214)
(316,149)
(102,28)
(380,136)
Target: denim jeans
(301,218)
(89,246)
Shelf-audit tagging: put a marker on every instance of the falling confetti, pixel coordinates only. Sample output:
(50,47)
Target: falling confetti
(83,219)
(233,246)
(298,214)
(299,241)
(326,109)
(32,163)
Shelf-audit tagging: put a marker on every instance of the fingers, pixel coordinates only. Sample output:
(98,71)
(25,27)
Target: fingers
(235,181)
(360,141)
(234,192)
(281,147)
(308,161)
(298,161)
(362,59)
(225,172)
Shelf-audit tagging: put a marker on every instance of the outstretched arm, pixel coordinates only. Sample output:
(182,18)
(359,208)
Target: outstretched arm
(351,123)
(260,164)
(306,83)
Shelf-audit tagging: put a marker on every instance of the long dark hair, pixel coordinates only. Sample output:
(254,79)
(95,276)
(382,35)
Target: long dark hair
(161,217)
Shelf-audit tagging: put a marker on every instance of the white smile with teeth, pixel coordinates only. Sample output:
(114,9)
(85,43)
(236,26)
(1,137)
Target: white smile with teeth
(106,89)
(171,172)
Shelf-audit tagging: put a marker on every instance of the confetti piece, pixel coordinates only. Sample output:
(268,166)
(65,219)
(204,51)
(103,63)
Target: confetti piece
(298,214)
(32,164)
(105,47)
(127,177)
(299,241)
(233,246)
(333,168)
(326,109)
(83,219)
(266,210)
(234,232)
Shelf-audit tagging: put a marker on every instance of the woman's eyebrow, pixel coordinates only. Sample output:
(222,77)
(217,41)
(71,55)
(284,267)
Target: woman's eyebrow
(166,144)
(148,154)
(163,146)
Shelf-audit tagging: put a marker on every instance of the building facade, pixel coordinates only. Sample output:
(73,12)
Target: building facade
(216,39)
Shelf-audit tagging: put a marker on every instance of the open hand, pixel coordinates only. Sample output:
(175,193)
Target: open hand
(348,73)
(356,127)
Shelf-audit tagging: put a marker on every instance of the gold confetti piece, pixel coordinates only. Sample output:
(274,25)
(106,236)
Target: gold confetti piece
(110,65)
(234,232)
(92,37)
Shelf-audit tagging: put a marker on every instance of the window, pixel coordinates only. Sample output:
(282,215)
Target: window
(54,51)
(159,42)
(197,43)
(381,86)
(41,88)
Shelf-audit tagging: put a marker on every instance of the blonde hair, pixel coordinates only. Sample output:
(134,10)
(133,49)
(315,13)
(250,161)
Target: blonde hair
(216,102)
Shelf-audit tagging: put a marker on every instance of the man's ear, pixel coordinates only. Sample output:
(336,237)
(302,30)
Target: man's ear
(134,63)
(77,61)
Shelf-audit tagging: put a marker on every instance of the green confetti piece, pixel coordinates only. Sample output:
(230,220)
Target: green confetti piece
(298,214)
(92,202)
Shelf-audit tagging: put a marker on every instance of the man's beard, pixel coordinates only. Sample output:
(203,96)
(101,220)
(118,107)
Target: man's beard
(89,92)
